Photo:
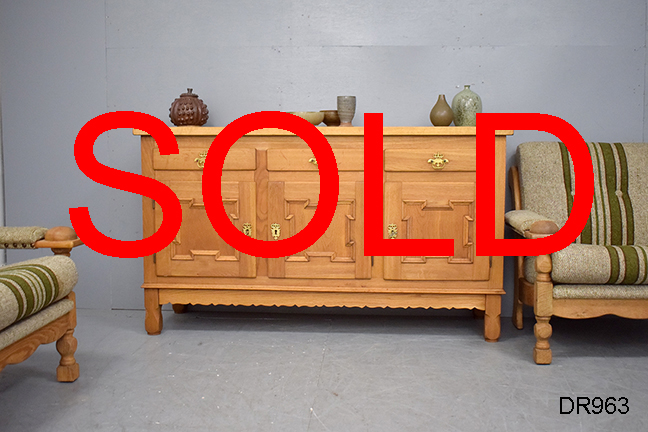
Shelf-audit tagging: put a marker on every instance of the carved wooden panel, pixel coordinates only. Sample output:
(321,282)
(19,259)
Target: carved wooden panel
(426,210)
(338,253)
(198,250)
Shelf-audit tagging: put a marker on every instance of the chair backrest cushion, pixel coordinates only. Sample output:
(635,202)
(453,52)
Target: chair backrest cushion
(620,207)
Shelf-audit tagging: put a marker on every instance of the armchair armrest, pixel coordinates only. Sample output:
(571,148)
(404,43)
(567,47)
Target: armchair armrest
(21,237)
(60,239)
(530,224)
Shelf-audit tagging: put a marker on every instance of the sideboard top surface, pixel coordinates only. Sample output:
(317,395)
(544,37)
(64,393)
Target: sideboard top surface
(335,131)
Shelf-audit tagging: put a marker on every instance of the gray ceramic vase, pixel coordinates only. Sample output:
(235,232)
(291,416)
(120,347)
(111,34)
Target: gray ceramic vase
(346,109)
(465,106)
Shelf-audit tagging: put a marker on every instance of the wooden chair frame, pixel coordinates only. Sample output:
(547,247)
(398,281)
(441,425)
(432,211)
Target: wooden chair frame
(61,240)
(540,294)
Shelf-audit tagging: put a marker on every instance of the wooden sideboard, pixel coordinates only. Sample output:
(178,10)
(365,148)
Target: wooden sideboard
(269,178)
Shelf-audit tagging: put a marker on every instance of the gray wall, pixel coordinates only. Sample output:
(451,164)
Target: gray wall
(64,62)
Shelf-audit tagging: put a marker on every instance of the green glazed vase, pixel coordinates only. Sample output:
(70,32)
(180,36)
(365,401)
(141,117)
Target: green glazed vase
(465,106)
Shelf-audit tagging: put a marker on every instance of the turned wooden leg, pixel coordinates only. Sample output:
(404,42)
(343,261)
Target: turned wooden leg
(180,308)
(68,369)
(492,313)
(543,308)
(542,331)
(153,319)
(518,305)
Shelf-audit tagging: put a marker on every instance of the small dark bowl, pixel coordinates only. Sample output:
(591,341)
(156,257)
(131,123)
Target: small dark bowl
(331,118)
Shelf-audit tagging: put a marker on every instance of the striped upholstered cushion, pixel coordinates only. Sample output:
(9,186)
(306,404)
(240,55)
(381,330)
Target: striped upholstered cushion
(30,286)
(620,209)
(595,264)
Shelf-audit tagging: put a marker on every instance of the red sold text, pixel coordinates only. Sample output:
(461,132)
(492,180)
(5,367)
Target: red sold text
(375,244)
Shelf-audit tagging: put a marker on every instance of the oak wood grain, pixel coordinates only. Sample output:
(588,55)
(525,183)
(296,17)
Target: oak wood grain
(423,202)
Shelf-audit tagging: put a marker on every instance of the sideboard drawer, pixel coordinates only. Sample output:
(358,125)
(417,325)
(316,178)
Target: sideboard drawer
(300,160)
(237,160)
(458,159)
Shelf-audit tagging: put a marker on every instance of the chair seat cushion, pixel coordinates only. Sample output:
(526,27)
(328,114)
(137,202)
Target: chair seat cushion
(594,264)
(604,292)
(24,328)
(30,286)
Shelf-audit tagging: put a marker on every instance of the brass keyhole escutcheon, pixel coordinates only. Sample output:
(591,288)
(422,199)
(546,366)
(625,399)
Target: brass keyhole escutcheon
(200,160)
(247,229)
(313,161)
(438,161)
(392,231)
(275,230)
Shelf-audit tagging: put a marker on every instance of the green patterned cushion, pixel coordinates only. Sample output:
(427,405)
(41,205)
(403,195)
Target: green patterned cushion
(595,264)
(620,208)
(30,286)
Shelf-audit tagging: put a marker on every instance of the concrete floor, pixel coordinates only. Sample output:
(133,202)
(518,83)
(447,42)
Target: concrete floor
(223,371)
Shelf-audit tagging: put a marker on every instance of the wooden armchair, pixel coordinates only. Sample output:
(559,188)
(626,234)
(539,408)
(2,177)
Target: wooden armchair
(37,305)
(606,270)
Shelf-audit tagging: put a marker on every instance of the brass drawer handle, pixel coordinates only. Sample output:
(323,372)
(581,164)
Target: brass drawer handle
(200,160)
(392,231)
(438,161)
(275,230)
(313,161)
(247,229)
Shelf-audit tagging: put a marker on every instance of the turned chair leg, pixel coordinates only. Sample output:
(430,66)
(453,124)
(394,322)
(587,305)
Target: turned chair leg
(518,305)
(543,308)
(68,369)
(542,331)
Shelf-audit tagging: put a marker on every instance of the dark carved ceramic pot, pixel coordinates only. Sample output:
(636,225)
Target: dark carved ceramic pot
(188,110)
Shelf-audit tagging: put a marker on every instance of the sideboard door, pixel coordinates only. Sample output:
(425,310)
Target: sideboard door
(338,253)
(434,210)
(198,250)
